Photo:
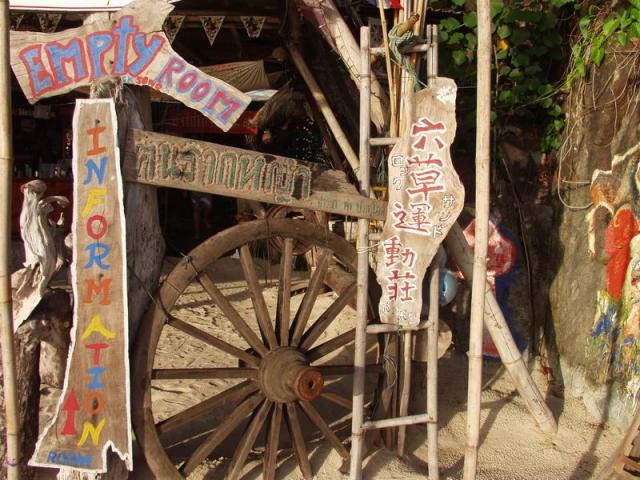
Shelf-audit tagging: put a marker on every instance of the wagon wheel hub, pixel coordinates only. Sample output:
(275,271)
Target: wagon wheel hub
(285,376)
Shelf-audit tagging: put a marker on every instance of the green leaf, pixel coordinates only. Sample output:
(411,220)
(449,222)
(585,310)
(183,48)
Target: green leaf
(505,70)
(505,96)
(472,41)
(581,68)
(597,55)
(552,39)
(623,38)
(516,74)
(610,25)
(546,103)
(501,55)
(635,30)
(520,36)
(443,36)
(493,116)
(635,3)
(470,19)
(459,58)
(533,69)
(497,6)
(458,3)
(548,22)
(538,50)
(584,24)
(635,14)
(504,31)
(520,60)
(455,38)
(449,24)
(545,89)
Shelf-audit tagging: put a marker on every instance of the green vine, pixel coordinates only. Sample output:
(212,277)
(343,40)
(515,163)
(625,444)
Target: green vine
(528,47)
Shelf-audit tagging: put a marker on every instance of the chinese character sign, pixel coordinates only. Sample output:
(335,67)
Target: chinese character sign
(425,199)
(129,44)
(93,412)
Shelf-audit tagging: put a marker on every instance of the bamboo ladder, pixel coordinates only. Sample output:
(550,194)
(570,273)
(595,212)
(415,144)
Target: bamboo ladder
(359,426)
(625,462)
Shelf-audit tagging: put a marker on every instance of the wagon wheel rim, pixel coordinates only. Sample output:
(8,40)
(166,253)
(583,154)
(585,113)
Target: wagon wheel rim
(281,371)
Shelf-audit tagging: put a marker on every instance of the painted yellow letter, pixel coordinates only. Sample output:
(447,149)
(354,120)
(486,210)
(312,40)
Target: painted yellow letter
(96,326)
(95,197)
(89,429)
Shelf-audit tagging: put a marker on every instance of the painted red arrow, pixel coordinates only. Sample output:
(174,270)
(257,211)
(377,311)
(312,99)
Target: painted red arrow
(71,406)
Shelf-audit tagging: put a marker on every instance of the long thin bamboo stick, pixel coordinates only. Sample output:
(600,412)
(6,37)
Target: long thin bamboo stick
(6,309)
(357,433)
(479,283)
(405,389)
(461,254)
(393,123)
(432,371)
(325,109)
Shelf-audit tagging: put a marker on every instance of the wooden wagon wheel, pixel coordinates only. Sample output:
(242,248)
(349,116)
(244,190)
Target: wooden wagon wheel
(279,367)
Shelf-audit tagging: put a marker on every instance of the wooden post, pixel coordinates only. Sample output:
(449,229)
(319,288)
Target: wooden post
(432,370)
(479,283)
(357,433)
(325,109)
(393,123)
(12,455)
(461,254)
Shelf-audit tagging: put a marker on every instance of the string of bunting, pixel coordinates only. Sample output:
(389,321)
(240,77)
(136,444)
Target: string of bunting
(253,25)
(49,21)
(211,25)
(172,25)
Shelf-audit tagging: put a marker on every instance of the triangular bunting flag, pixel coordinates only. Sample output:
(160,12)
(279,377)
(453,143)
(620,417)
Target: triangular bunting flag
(172,26)
(49,21)
(212,26)
(16,20)
(253,25)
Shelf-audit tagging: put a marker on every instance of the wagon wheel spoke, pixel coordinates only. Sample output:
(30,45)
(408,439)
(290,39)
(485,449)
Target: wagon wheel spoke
(337,399)
(226,397)
(202,373)
(230,423)
(295,432)
(262,313)
(331,346)
(213,341)
(340,370)
(273,440)
(326,431)
(248,439)
(310,296)
(328,316)
(283,311)
(232,314)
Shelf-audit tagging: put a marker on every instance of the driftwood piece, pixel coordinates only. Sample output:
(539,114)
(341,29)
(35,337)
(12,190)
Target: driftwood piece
(43,252)
(167,161)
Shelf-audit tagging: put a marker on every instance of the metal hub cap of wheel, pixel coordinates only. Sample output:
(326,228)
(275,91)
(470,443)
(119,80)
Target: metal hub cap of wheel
(285,376)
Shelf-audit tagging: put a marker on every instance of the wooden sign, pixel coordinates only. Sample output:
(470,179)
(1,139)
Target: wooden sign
(167,161)
(425,199)
(129,44)
(93,412)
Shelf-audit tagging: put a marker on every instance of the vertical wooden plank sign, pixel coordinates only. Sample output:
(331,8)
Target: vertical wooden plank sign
(93,413)
(425,199)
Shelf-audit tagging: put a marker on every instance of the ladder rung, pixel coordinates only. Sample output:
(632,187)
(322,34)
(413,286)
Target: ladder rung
(398,421)
(382,141)
(378,328)
(631,463)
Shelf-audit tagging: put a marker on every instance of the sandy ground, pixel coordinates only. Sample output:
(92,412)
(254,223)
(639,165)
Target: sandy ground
(512,447)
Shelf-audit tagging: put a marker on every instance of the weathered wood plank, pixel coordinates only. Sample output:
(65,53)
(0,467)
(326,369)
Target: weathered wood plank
(129,44)
(168,161)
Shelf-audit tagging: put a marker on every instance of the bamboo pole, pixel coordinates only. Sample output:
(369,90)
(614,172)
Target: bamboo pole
(432,370)
(357,419)
(325,109)
(461,254)
(6,309)
(393,123)
(479,282)
(405,389)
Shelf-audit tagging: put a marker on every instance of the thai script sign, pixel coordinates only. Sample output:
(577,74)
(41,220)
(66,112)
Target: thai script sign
(93,413)
(425,199)
(129,44)
(168,161)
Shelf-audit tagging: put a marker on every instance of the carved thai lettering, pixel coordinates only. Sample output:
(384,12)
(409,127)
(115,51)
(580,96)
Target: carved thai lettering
(146,159)
(226,171)
(251,169)
(185,162)
(210,161)
(301,182)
